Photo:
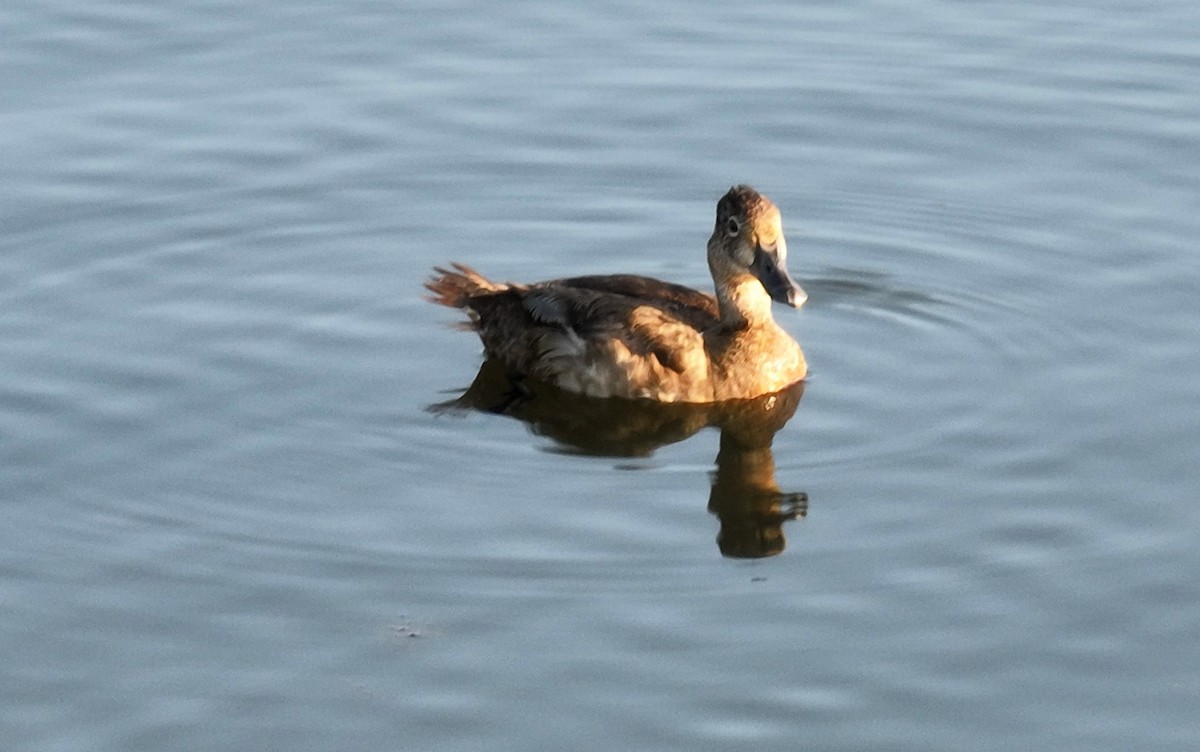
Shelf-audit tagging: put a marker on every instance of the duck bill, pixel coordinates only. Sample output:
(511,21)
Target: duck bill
(768,266)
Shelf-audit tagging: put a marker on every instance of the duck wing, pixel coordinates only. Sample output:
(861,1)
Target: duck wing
(583,320)
(593,337)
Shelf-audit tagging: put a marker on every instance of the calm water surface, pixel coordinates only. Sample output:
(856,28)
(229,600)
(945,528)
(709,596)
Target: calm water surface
(230,521)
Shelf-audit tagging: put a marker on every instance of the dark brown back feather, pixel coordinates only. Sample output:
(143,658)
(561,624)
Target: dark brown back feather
(692,307)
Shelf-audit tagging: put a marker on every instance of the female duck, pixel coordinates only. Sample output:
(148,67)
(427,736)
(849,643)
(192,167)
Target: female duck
(640,338)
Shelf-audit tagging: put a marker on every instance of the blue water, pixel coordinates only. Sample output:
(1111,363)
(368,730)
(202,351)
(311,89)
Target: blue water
(231,522)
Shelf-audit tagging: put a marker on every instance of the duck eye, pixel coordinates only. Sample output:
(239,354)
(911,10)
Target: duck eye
(733,226)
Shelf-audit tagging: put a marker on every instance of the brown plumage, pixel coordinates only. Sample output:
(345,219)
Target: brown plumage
(635,337)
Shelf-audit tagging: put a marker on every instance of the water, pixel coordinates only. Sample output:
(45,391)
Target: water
(230,521)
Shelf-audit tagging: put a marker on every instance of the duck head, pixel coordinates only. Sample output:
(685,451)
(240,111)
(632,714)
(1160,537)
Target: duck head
(747,242)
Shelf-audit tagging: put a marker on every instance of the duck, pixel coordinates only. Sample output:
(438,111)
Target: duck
(638,338)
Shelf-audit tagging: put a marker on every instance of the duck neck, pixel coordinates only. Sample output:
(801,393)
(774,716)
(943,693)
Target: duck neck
(743,302)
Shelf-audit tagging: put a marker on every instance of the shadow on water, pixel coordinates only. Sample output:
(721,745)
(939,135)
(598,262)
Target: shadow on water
(744,496)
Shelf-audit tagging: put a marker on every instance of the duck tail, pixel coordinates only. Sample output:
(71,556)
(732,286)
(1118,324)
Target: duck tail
(456,286)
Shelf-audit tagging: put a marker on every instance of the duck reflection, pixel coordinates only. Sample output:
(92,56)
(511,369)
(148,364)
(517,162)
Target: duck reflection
(744,495)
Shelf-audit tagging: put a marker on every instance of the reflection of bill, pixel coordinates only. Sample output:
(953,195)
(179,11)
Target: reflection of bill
(744,495)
